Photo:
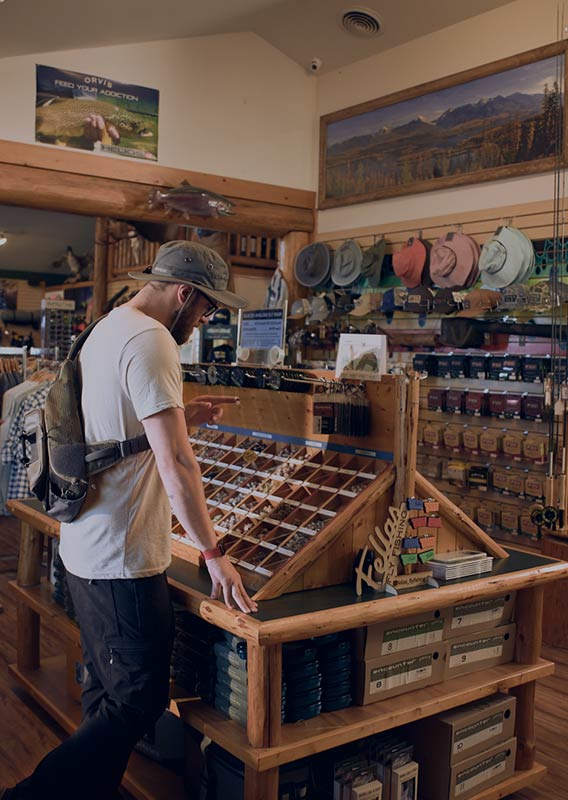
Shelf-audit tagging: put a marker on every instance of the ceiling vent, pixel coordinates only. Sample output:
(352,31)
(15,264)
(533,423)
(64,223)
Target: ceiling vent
(361,22)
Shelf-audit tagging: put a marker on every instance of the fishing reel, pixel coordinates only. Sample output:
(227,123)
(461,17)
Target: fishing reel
(544,516)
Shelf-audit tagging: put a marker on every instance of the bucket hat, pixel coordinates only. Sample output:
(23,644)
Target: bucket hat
(312,264)
(300,308)
(372,262)
(195,265)
(408,263)
(320,309)
(347,261)
(454,261)
(506,258)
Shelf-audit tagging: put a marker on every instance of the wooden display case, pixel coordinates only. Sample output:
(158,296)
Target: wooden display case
(324,565)
(266,743)
(294,508)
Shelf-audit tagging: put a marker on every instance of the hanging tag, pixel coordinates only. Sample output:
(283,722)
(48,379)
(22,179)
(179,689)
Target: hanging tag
(324,417)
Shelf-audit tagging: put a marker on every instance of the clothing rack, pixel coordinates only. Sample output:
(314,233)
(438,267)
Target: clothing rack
(19,352)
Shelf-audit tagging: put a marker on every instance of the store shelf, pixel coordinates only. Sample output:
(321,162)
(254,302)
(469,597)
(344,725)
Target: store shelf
(144,779)
(252,261)
(40,599)
(517,781)
(479,458)
(336,728)
(485,421)
(472,491)
(518,540)
(482,383)
(66,286)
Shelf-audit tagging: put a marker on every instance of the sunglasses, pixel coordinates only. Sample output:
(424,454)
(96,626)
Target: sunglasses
(211,308)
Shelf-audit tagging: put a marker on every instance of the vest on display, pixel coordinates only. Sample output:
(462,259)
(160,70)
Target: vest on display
(61,463)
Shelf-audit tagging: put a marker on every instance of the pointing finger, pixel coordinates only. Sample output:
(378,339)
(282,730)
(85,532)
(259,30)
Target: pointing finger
(221,399)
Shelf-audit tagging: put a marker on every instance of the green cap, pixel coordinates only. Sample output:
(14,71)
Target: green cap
(196,265)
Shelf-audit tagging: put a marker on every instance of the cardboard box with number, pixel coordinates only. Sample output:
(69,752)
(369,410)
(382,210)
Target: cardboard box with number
(441,781)
(480,614)
(379,678)
(480,650)
(398,636)
(463,732)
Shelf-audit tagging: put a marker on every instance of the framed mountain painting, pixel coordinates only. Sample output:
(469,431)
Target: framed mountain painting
(493,122)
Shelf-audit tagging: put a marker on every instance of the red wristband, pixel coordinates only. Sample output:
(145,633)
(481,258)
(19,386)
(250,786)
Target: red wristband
(214,552)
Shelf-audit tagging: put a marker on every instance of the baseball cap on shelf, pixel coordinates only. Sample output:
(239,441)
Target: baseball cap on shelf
(195,265)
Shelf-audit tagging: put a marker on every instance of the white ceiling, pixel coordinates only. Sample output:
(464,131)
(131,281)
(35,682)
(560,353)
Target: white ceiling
(302,29)
(36,239)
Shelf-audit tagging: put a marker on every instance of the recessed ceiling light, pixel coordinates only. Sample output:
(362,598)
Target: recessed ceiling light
(360,21)
(3,238)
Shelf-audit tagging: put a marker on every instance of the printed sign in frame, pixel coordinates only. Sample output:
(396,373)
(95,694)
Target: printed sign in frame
(87,112)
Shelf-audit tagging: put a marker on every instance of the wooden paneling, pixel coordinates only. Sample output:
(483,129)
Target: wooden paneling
(536,219)
(291,413)
(555,619)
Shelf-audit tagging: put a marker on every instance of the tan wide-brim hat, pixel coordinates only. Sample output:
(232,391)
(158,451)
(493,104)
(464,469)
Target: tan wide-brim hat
(454,261)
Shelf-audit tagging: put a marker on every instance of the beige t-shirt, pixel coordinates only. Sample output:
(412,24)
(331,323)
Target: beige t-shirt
(130,370)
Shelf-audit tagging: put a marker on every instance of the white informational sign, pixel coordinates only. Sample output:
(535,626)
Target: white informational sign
(361,356)
(261,336)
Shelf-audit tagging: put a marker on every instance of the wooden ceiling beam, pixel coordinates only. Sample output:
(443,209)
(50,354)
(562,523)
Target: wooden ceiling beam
(58,159)
(92,195)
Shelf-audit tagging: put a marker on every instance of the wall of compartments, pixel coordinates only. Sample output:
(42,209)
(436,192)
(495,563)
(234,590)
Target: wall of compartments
(484,437)
(269,500)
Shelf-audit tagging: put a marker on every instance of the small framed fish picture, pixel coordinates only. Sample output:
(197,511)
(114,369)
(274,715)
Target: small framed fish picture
(87,112)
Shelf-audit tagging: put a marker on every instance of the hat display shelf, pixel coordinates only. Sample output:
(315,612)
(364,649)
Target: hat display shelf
(294,508)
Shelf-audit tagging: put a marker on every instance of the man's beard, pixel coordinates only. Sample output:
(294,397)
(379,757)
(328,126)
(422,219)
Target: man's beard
(183,327)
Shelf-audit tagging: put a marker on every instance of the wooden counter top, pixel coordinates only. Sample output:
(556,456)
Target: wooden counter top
(320,611)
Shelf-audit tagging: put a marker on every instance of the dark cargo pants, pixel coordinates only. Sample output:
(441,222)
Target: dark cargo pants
(126,635)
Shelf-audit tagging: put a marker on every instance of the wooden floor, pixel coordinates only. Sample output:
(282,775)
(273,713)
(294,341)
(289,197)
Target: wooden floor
(27,732)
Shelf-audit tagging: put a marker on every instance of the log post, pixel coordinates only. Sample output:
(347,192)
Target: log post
(400,439)
(29,574)
(31,551)
(100,267)
(290,245)
(261,785)
(258,717)
(275,693)
(528,614)
(411,434)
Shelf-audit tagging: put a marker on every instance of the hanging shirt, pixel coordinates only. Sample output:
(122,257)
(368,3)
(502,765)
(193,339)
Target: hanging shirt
(130,370)
(18,485)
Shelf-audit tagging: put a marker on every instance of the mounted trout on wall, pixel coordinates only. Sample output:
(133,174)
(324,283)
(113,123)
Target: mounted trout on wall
(191,201)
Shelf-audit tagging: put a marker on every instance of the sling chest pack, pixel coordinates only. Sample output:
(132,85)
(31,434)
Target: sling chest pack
(60,462)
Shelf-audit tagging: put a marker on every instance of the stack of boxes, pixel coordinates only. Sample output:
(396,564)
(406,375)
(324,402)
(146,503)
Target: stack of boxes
(467,750)
(193,642)
(317,676)
(419,544)
(384,769)
(396,657)
(231,679)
